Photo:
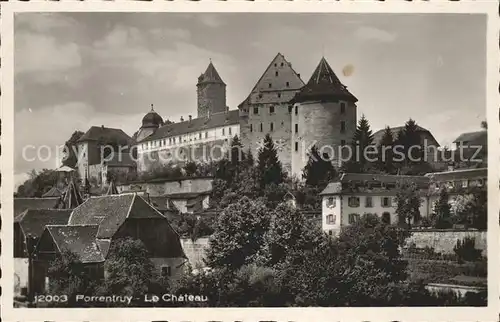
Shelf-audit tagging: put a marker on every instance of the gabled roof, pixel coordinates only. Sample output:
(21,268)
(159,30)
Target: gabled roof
(53,192)
(199,124)
(473,138)
(80,240)
(21,204)
(324,84)
(109,212)
(33,221)
(210,76)
(106,135)
(377,136)
(278,73)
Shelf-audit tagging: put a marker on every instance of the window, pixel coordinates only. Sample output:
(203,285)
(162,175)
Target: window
(330,233)
(275,65)
(199,136)
(276,74)
(223,131)
(260,95)
(342,126)
(287,84)
(342,108)
(251,128)
(166,271)
(290,109)
(330,202)
(271,127)
(353,202)
(255,110)
(170,141)
(330,219)
(296,110)
(230,131)
(342,142)
(279,95)
(296,128)
(296,146)
(386,202)
(353,218)
(368,202)
(270,85)
(464,183)
(206,135)
(282,123)
(261,129)
(271,109)
(281,65)
(386,218)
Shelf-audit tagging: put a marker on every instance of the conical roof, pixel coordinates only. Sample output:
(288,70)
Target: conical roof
(71,197)
(112,190)
(53,192)
(324,85)
(210,76)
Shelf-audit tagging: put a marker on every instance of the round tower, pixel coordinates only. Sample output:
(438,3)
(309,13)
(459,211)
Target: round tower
(150,123)
(211,92)
(324,115)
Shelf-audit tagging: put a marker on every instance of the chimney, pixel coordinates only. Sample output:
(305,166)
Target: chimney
(190,118)
(182,119)
(102,127)
(298,75)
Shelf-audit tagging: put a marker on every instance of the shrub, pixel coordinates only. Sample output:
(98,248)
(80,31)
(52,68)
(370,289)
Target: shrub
(466,250)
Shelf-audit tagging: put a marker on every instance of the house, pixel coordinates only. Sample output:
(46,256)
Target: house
(352,195)
(28,227)
(99,222)
(471,148)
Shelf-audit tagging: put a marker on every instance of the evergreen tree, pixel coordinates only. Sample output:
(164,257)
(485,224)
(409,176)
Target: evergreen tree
(318,171)
(268,164)
(361,156)
(71,158)
(410,144)
(385,153)
(442,211)
(236,155)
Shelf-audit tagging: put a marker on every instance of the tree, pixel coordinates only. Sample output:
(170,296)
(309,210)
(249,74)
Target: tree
(268,164)
(71,158)
(289,231)
(408,203)
(385,152)
(362,267)
(442,211)
(38,183)
(318,170)
(478,209)
(191,168)
(410,145)
(67,276)
(238,234)
(130,270)
(362,139)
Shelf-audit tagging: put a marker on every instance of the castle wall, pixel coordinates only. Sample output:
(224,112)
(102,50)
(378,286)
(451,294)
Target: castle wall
(163,187)
(319,123)
(443,241)
(211,97)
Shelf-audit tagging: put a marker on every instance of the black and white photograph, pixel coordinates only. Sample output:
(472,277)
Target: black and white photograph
(195,159)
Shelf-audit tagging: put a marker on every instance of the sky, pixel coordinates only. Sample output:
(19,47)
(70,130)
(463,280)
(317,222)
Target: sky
(76,70)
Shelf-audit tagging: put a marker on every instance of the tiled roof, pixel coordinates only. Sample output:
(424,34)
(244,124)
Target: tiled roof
(80,240)
(480,173)
(109,212)
(21,204)
(53,192)
(106,135)
(198,124)
(33,221)
(210,76)
(473,138)
(377,136)
(324,84)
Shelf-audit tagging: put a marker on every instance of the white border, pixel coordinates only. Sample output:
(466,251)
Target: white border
(490,313)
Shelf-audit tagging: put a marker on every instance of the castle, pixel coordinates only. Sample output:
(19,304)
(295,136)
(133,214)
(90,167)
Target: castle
(295,114)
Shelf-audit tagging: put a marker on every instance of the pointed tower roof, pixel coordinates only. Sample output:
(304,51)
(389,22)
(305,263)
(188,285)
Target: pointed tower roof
(324,84)
(71,197)
(210,76)
(112,190)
